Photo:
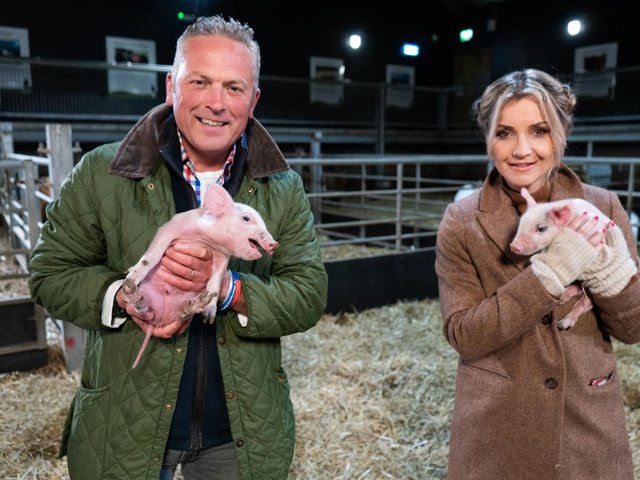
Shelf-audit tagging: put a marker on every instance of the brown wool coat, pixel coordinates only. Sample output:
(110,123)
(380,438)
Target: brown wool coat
(523,405)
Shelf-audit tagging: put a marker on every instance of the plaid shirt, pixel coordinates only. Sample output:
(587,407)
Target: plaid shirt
(189,170)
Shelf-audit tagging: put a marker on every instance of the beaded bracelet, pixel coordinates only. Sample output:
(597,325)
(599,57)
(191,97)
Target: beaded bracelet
(233,293)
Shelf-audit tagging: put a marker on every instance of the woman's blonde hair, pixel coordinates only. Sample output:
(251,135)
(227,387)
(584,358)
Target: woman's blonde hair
(555,98)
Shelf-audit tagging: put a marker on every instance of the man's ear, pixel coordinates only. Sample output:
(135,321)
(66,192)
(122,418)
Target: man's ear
(168,82)
(254,102)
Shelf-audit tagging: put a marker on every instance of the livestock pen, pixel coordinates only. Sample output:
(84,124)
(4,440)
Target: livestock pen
(372,383)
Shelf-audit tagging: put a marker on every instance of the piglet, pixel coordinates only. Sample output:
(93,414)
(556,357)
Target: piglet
(227,228)
(539,225)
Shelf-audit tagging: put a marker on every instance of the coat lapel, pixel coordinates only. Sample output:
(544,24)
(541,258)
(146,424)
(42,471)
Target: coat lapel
(499,219)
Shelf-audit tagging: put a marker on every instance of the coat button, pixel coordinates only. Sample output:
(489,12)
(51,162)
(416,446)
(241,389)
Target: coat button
(221,339)
(546,320)
(239,443)
(230,394)
(551,383)
(151,186)
(250,189)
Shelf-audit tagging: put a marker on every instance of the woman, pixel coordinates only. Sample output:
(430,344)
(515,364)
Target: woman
(532,401)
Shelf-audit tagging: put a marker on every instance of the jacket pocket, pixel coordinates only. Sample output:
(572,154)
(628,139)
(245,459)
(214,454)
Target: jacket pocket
(287,430)
(87,433)
(489,365)
(602,379)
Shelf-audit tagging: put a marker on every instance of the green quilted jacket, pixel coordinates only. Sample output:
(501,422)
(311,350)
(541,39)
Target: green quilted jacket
(99,225)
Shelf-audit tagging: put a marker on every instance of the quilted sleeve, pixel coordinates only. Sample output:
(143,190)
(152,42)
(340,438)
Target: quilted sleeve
(294,295)
(68,275)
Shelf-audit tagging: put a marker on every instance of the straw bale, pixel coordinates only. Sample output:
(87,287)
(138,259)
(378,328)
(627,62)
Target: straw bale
(34,407)
(15,287)
(373,393)
(347,251)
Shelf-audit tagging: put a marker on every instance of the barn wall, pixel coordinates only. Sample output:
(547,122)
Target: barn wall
(363,283)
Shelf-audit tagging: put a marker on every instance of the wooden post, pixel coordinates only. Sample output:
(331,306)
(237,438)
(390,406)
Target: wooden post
(60,153)
(315,174)
(6,139)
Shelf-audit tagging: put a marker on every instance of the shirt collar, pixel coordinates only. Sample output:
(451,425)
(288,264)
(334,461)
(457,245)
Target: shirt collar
(188,163)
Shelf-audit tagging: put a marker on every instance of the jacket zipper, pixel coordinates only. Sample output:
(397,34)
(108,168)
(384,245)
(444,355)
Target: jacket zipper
(199,386)
(200,367)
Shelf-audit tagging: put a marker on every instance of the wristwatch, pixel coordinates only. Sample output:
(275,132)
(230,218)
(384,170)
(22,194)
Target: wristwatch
(117,310)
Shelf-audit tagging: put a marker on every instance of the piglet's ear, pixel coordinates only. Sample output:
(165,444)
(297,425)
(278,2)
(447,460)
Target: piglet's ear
(527,196)
(217,200)
(561,215)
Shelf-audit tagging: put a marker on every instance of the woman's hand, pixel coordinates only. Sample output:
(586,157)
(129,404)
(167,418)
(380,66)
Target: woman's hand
(610,273)
(592,228)
(569,254)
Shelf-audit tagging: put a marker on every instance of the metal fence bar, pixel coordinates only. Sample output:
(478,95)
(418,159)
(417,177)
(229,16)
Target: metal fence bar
(372,199)
(66,90)
(389,201)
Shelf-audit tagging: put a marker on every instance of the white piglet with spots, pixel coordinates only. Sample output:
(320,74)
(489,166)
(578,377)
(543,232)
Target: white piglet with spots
(226,227)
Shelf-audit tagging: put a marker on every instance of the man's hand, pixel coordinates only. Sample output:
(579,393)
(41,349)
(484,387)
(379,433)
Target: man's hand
(168,331)
(186,266)
(145,320)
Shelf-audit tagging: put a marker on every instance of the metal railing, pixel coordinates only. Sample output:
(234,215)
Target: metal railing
(18,206)
(395,202)
(392,202)
(61,91)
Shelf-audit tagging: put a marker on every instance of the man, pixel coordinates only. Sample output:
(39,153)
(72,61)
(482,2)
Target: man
(212,398)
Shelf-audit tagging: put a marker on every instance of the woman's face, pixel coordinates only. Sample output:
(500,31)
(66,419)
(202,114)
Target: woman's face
(522,148)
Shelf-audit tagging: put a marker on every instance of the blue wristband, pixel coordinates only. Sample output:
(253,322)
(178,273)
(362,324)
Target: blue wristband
(234,288)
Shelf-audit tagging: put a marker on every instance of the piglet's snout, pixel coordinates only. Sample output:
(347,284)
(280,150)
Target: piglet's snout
(270,246)
(264,242)
(523,246)
(515,248)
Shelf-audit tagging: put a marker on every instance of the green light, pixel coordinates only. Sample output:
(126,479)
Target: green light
(186,17)
(466,35)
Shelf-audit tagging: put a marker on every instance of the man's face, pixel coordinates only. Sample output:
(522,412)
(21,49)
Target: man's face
(213,97)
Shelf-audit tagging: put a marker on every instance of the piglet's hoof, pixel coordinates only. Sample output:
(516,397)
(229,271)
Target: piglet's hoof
(132,294)
(209,312)
(208,317)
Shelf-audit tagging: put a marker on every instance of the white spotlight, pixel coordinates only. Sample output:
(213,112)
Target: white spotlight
(355,41)
(410,50)
(574,27)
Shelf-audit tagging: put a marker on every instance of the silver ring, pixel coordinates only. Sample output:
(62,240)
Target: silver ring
(192,274)
(582,224)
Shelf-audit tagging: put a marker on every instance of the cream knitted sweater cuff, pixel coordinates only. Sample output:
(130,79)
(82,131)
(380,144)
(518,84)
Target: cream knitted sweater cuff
(563,261)
(613,268)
